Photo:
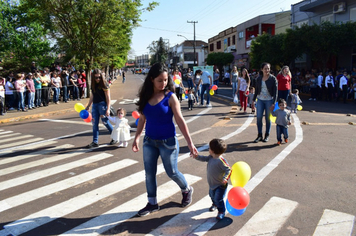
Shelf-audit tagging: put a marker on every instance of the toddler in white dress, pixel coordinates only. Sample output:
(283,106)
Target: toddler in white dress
(121,132)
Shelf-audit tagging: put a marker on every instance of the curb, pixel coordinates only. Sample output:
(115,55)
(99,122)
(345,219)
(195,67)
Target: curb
(34,116)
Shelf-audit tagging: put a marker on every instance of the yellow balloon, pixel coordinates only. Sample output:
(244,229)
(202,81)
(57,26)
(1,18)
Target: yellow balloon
(272,118)
(177,81)
(78,107)
(299,107)
(183,95)
(211,92)
(241,174)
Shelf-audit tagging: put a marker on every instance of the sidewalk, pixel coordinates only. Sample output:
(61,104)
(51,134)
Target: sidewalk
(51,110)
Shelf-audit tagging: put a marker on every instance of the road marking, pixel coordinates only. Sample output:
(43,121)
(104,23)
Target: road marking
(51,171)
(270,218)
(56,211)
(9,135)
(17,144)
(22,148)
(41,152)
(129,101)
(5,132)
(334,223)
(266,170)
(65,184)
(16,138)
(121,213)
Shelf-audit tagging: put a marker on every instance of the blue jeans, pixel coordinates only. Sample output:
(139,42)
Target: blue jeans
(20,101)
(205,87)
(168,149)
(197,92)
(56,92)
(217,197)
(97,110)
(38,97)
(31,99)
(64,93)
(234,88)
(263,105)
(283,94)
(190,83)
(281,130)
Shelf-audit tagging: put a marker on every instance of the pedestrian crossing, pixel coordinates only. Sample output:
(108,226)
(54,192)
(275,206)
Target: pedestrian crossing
(192,220)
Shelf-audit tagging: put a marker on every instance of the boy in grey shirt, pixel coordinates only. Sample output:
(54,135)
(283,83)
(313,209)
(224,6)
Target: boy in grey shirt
(218,173)
(282,121)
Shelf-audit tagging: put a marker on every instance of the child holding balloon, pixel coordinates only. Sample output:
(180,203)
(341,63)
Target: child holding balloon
(282,121)
(121,132)
(218,173)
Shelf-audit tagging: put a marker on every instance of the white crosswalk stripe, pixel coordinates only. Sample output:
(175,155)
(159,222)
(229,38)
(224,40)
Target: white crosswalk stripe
(20,143)
(192,220)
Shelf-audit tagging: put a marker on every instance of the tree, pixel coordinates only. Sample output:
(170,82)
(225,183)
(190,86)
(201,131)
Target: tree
(22,39)
(159,51)
(219,59)
(90,30)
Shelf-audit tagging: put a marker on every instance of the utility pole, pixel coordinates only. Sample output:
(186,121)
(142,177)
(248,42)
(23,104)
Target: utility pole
(193,22)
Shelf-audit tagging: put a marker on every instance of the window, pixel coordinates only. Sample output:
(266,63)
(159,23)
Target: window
(228,41)
(329,18)
(233,39)
(241,34)
(218,45)
(353,14)
(300,23)
(211,47)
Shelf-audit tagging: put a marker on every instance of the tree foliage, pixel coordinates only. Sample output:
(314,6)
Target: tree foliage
(219,59)
(22,40)
(90,30)
(159,51)
(320,42)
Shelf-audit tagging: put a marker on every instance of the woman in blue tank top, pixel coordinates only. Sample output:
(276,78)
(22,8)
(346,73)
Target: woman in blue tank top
(157,105)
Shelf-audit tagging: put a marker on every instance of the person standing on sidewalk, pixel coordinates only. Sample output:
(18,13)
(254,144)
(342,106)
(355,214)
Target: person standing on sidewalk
(158,105)
(100,102)
(45,92)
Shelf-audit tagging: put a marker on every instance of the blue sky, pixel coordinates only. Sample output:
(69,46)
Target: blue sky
(213,16)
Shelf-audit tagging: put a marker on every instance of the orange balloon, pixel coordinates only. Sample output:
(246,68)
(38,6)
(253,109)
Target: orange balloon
(135,114)
(89,118)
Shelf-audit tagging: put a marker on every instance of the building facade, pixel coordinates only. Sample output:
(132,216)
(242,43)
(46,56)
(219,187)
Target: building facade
(316,11)
(182,55)
(142,61)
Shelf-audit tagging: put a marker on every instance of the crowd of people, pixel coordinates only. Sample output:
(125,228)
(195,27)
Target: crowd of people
(39,88)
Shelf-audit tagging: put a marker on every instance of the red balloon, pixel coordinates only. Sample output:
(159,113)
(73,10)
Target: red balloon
(215,87)
(238,198)
(89,118)
(135,114)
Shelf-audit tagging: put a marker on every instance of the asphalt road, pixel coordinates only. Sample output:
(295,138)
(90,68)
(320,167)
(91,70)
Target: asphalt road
(51,185)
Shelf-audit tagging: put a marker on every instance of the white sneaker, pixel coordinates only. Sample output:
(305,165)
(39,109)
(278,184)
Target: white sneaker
(125,144)
(310,99)
(121,144)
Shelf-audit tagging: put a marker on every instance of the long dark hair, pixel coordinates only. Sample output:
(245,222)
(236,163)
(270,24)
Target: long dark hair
(103,84)
(247,78)
(146,90)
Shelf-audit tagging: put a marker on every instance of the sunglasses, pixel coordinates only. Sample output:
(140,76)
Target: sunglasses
(97,77)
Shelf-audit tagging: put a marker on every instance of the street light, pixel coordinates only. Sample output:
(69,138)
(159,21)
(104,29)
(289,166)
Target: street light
(192,44)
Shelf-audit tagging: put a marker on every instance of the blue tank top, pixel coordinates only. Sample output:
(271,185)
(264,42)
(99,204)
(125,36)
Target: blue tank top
(159,119)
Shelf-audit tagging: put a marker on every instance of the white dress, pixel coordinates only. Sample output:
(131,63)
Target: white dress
(121,131)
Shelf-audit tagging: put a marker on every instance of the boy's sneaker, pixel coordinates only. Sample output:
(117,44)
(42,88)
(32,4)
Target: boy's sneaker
(279,143)
(187,197)
(212,208)
(91,145)
(286,140)
(220,216)
(148,209)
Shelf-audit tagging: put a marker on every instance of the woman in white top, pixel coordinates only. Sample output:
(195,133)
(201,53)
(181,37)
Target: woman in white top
(243,85)
(56,87)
